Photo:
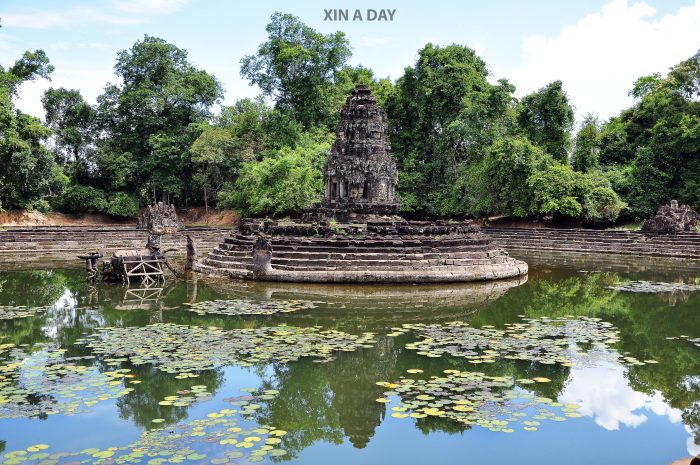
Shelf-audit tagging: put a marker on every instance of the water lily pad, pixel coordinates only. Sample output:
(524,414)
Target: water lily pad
(11,312)
(45,382)
(185,349)
(249,307)
(654,287)
(190,442)
(566,341)
(474,398)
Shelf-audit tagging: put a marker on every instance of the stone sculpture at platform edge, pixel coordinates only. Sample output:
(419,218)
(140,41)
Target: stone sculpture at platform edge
(356,235)
(671,219)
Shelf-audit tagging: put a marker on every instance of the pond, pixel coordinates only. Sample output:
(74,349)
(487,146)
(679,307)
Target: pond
(560,367)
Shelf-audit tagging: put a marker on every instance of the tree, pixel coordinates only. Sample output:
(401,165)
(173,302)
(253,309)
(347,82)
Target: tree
(152,118)
(72,121)
(28,171)
(215,160)
(558,190)
(286,181)
(656,141)
(498,183)
(297,67)
(31,66)
(546,117)
(428,142)
(586,145)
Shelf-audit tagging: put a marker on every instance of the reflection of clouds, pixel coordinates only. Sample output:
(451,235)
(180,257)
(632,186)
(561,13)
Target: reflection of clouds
(693,449)
(605,395)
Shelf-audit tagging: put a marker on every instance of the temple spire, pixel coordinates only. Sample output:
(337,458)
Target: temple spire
(360,170)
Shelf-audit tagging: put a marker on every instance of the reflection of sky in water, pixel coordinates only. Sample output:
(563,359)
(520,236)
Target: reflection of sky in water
(605,395)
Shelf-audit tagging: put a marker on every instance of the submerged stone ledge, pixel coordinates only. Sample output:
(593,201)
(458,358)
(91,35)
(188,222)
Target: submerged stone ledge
(383,251)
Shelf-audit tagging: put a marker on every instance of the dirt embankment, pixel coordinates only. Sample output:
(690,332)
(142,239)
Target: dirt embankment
(190,216)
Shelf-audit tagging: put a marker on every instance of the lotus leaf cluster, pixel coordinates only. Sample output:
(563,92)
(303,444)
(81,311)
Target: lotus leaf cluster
(475,399)
(229,429)
(566,341)
(695,341)
(249,307)
(654,287)
(46,382)
(186,349)
(11,312)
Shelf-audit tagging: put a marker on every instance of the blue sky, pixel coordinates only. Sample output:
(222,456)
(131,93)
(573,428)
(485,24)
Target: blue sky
(597,47)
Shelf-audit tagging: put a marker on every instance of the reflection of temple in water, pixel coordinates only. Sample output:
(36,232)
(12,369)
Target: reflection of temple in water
(355,390)
(366,307)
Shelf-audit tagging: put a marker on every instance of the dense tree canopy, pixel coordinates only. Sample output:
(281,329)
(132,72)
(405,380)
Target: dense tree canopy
(28,171)
(465,145)
(299,67)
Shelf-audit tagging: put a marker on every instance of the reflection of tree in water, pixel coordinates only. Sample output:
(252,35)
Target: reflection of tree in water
(141,405)
(32,288)
(303,407)
(327,401)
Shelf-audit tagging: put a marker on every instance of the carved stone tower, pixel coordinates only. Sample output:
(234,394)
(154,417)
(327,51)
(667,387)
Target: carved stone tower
(360,173)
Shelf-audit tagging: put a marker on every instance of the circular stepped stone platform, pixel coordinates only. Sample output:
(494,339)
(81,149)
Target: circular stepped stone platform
(373,252)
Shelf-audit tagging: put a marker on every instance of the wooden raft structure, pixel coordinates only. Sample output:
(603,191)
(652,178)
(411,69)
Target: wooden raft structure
(141,265)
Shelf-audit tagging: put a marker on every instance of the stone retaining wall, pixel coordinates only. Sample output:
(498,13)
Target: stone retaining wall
(681,245)
(63,243)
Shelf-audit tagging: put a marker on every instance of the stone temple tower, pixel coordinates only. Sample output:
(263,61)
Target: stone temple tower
(360,173)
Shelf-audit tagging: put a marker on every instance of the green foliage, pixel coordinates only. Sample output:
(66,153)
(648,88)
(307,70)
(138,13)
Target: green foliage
(215,159)
(586,146)
(657,141)
(285,181)
(157,135)
(558,190)
(72,121)
(498,182)
(122,204)
(31,66)
(546,116)
(645,85)
(430,113)
(82,199)
(28,172)
(297,67)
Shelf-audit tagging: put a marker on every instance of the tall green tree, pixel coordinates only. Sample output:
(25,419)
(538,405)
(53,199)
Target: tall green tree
(298,68)
(215,160)
(547,118)
(72,121)
(28,171)
(153,116)
(586,145)
(657,140)
(423,110)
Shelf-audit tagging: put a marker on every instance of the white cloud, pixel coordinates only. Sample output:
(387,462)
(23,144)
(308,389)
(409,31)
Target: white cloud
(91,83)
(43,19)
(605,395)
(478,47)
(599,57)
(129,12)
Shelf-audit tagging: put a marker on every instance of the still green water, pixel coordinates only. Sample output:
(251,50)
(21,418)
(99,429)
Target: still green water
(646,414)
